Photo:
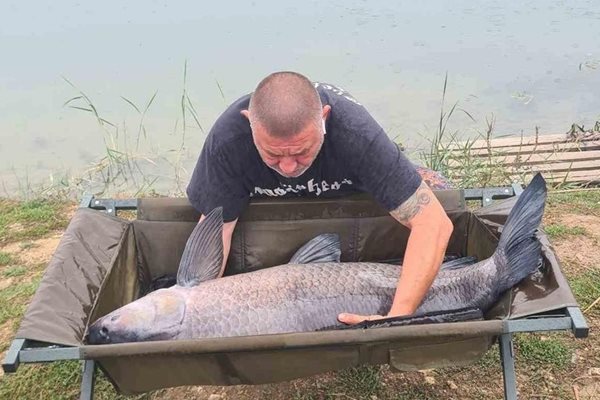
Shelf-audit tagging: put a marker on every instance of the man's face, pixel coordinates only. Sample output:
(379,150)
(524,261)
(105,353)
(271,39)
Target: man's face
(290,157)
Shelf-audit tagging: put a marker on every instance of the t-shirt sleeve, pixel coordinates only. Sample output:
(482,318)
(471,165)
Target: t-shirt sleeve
(381,167)
(386,172)
(216,182)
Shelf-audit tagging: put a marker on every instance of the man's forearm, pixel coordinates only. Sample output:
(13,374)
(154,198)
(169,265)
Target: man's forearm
(430,231)
(424,254)
(228,228)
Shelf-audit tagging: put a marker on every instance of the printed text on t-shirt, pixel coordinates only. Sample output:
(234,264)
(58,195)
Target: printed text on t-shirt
(311,187)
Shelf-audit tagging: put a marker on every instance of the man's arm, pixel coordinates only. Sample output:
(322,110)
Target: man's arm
(430,232)
(228,228)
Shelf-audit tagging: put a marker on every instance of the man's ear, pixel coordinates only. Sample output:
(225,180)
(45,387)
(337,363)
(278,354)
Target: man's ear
(326,111)
(246,114)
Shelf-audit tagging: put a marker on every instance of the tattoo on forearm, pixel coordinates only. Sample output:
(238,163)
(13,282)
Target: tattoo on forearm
(411,207)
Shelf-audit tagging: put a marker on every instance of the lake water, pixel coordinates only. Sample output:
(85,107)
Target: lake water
(528,63)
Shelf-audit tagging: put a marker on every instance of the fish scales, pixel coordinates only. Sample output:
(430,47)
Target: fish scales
(267,301)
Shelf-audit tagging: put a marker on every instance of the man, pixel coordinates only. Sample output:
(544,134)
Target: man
(292,137)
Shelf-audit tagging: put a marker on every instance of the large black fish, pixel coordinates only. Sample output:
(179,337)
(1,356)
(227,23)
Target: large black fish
(306,295)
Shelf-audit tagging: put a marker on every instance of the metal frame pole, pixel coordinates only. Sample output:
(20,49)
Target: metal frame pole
(88,380)
(507,355)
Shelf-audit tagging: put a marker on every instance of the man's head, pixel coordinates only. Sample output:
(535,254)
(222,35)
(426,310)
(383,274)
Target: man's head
(287,121)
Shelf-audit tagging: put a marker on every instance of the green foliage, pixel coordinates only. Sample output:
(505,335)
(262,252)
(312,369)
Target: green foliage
(59,380)
(543,351)
(582,201)
(5,259)
(13,299)
(586,288)
(356,383)
(362,381)
(559,230)
(13,272)
(30,219)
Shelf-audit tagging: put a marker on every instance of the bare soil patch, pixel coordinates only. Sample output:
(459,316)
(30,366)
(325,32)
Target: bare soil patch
(36,251)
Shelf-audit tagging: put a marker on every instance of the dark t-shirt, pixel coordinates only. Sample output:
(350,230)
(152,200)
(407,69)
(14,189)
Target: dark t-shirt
(356,156)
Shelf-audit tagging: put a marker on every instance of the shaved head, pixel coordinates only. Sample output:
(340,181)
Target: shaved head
(284,103)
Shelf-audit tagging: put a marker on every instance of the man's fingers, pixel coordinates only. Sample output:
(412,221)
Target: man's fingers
(352,319)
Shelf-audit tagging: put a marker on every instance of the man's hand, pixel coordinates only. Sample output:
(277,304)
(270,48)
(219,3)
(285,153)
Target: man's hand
(430,231)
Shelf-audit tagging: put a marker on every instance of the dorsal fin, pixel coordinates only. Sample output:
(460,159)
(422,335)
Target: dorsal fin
(202,257)
(322,248)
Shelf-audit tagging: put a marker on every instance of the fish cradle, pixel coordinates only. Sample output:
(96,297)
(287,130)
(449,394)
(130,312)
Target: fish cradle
(302,296)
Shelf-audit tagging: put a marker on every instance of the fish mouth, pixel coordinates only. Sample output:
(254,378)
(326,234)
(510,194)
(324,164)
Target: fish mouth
(98,335)
(102,335)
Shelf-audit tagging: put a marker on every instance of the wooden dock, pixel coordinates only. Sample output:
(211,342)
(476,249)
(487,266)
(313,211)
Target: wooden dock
(572,158)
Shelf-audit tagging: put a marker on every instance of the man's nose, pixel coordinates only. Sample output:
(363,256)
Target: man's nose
(288,165)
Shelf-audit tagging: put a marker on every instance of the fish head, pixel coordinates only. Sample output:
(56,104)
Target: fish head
(160,315)
(157,316)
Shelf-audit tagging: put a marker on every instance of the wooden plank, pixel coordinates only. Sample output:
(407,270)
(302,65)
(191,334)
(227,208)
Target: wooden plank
(544,158)
(528,149)
(520,156)
(564,167)
(558,177)
(572,177)
(555,167)
(511,141)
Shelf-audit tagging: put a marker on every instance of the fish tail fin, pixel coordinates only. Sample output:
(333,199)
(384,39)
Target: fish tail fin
(519,251)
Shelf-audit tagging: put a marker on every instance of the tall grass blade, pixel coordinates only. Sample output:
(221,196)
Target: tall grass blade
(131,104)
(194,113)
(220,90)
(66,103)
(82,108)
(150,101)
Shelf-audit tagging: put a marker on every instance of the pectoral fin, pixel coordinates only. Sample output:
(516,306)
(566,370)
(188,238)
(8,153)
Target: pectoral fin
(203,254)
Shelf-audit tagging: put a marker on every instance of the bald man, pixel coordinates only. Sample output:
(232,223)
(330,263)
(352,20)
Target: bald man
(292,137)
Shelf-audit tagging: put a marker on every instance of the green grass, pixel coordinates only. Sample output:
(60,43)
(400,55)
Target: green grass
(560,230)
(546,352)
(586,288)
(549,351)
(5,259)
(55,381)
(491,359)
(14,299)
(12,272)
(584,202)
(26,245)
(31,219)
(418,393)
(302,395)
(360,382)
(354,383)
